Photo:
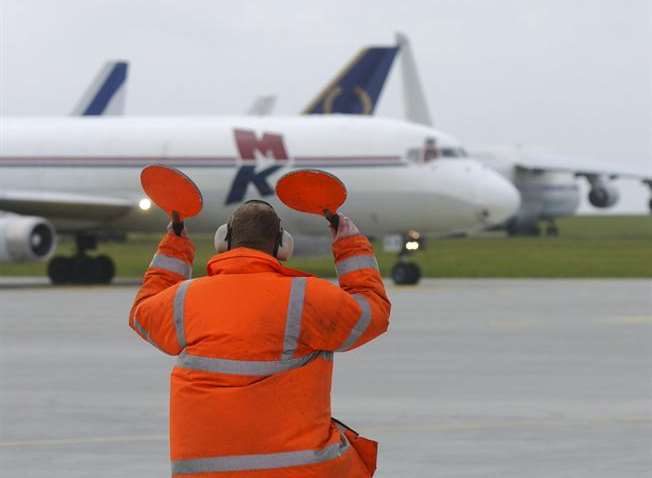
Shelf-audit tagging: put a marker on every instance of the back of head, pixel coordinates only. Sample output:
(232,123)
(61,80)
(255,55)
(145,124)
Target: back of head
(256,225)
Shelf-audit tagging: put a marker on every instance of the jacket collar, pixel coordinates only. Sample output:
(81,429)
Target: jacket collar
(243,260)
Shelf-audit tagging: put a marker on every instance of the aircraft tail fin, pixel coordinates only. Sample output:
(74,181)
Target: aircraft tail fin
(357,87)
(262,106)
(106,94)
(414,97)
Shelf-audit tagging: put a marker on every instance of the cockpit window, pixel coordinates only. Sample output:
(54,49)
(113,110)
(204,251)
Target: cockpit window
(453,153)
(430,151)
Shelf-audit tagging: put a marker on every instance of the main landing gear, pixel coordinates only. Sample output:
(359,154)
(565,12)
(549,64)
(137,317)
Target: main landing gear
(405,272)
(532,229)
(82,268)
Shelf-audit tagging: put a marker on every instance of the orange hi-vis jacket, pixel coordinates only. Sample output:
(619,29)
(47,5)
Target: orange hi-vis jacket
(250,392)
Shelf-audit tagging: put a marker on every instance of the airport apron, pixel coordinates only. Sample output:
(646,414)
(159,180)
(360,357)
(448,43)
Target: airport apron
(250,392)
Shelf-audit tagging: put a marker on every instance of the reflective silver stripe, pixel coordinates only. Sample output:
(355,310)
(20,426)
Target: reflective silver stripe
(293,319)
(242,367)
(145,334)
(178,313)
(262,461)
(172,264)
(361,325)
(355,263)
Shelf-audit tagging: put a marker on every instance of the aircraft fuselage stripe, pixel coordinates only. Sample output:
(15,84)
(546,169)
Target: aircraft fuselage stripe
(193,161)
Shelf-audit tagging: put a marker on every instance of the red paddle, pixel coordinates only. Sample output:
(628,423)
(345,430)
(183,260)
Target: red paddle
(312,191)
(172,191)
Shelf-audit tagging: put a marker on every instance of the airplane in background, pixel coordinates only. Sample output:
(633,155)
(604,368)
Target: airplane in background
(547,183)
(80,177)
(106,95)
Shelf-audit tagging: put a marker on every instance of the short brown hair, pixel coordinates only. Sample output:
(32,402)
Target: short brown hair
(255,224)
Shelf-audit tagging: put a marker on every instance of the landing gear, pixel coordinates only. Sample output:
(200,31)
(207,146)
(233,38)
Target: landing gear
(552,230)
(516,229)
(405,272)
(82,268)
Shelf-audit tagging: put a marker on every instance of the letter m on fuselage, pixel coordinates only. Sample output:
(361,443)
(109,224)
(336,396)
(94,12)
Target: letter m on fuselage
(250,146)
(270,145)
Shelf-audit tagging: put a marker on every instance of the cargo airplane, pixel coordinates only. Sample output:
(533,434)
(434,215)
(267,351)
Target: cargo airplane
(547,183)
(79,177)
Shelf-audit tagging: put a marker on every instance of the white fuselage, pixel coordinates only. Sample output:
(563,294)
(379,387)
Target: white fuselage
(387,192)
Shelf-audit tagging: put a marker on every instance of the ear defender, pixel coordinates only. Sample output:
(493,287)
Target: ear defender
(285,246)
(222,239)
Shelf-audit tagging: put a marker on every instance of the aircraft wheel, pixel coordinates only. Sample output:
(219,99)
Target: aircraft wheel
(552,231)
(106,269)
(60,270)
(85,270)
(406,273)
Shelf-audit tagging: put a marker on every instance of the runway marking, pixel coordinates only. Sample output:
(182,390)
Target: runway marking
(82,441)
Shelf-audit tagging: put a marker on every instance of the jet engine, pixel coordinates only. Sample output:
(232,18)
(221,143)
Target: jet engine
(25,238)
(603,193)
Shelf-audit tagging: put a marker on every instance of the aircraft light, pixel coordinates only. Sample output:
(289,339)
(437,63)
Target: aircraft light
(145,204)
(412,245)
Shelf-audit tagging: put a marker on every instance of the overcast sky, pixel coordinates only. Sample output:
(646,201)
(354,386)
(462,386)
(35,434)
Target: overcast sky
(567,76)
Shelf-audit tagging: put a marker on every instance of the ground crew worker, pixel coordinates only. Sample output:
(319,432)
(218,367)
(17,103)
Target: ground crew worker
(250,393)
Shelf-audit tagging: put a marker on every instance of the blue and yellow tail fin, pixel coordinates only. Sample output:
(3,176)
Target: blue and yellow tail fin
(357,88)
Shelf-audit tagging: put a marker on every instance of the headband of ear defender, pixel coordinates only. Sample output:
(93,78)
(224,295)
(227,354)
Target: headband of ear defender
(283,247)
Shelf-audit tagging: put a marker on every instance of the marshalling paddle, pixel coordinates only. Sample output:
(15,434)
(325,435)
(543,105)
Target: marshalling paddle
(312,191)
(172,191)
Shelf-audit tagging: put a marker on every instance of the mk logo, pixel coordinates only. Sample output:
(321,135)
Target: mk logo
(271,143)
(269,147)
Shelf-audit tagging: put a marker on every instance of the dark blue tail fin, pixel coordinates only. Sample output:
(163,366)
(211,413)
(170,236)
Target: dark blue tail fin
(356,89)
(106,94)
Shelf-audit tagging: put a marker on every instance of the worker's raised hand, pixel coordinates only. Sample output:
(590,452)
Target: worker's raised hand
(177,226)
(345,228)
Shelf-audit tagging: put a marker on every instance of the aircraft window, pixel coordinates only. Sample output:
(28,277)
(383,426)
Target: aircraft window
(431,151)
(453,152)
(448,152)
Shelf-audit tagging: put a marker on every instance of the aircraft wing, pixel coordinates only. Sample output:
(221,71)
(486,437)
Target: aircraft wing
(581,167)
(64,205)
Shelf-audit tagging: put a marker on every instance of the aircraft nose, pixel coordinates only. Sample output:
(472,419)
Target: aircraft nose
(499,198)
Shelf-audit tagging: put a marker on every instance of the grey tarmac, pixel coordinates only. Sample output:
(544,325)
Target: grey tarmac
(476,378)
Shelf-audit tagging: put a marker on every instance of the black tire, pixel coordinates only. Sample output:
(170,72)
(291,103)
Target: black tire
(406,273)
(85,270)
(552,231)
(60,270)
(106,269)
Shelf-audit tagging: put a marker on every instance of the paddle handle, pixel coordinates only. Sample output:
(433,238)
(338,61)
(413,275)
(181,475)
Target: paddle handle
(177,223)
(334,219)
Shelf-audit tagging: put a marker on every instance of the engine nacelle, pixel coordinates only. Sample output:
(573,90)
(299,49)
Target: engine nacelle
(603,194)
(25,238)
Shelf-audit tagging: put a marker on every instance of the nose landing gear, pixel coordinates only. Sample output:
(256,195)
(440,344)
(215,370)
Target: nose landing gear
(405,272)
(82,268)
